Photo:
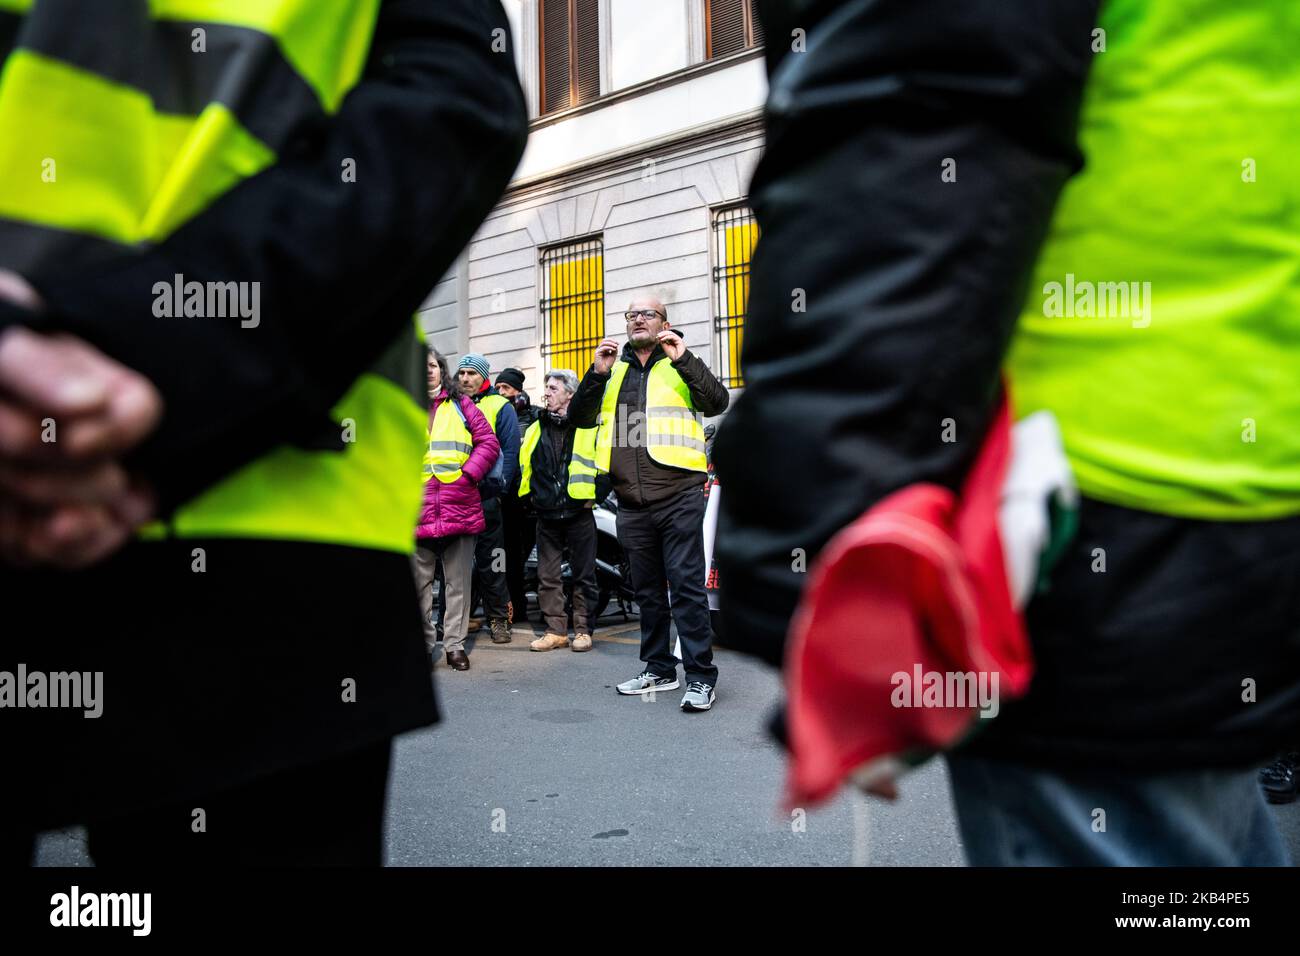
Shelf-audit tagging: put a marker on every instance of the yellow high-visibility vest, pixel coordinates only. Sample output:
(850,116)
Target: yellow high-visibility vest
(450,443)
(672,428)
(582,463)
(95,152)
(490,405)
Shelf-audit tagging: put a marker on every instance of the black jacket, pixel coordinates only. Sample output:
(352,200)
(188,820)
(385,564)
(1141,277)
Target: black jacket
(912,288)
(639,480)
(549,483)
(213,678)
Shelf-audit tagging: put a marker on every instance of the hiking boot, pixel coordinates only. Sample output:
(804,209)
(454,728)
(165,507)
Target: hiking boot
(550,642)
(582,642)
(647,683)
(501,632)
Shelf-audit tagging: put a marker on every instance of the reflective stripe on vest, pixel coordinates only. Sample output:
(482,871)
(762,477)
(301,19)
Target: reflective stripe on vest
(490,405)
(450,445)
(672,428)
(582,462)
(116,129)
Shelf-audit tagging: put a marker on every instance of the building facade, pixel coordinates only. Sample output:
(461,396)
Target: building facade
(646,127)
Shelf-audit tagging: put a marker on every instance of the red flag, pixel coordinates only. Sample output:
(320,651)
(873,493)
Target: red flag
(916,586)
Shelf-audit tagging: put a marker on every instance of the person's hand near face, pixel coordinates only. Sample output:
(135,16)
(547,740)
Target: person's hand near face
(605,356)
(673,345)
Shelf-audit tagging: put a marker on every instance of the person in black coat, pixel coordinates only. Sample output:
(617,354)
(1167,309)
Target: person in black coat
(519,525)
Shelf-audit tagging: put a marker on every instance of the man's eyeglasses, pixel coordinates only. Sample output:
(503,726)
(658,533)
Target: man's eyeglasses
(646,314)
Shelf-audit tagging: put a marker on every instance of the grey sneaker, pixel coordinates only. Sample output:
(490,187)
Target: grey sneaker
(647,683)
(698,696)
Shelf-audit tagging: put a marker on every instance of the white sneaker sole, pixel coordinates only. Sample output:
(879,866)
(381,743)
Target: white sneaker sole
(649,690)
(689,707)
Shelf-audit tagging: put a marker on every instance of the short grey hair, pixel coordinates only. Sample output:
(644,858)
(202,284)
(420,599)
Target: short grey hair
(568,378)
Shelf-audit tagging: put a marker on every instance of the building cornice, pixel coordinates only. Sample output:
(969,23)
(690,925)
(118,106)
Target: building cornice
(731,128)
(648,86)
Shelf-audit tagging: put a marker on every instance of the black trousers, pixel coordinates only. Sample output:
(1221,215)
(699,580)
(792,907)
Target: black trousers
(326,814)
(490,553)
(665,547)
(519,528)
(577,534)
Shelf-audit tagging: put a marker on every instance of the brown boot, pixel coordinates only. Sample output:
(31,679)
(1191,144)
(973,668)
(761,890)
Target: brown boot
(582,642)
(458,660)
(501,632)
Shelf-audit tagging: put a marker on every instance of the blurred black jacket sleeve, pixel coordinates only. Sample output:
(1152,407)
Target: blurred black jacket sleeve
(436,126)
(882,298)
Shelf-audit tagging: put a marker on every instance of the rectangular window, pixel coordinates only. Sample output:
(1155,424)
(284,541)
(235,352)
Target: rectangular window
(573,304)
(734,235)
(731,26)
(570,53)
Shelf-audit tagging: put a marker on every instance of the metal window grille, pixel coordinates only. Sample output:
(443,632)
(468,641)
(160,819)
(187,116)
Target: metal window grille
(735,233)
(572,303)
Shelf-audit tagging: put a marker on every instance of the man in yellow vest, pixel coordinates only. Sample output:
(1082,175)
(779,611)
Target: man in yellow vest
(216,221)
(558,465)
(648,403)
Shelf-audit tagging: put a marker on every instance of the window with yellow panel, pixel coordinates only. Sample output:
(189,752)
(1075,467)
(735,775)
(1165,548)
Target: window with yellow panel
(734,235)
(572,304)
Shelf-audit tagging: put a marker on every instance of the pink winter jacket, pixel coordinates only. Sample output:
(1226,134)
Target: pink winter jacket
(456,508)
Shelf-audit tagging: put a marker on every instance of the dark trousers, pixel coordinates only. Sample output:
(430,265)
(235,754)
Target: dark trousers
(665,546)
(578,535)
(519,528)
(489,553)
(326,814)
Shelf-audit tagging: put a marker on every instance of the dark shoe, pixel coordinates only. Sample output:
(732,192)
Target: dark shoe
(458,660)
(1280,779)
(501,632)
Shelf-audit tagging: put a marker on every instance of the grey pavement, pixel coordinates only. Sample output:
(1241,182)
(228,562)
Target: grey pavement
(540,762)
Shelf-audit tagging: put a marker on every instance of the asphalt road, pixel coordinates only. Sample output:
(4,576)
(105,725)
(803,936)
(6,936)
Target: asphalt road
(540,762)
